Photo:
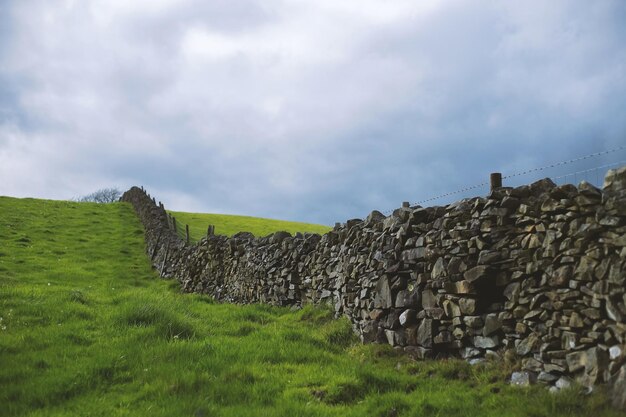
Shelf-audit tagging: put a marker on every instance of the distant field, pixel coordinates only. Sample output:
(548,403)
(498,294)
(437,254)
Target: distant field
(229,225)
(88,329)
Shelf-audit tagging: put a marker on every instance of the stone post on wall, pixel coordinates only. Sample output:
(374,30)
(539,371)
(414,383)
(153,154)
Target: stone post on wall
(495,180)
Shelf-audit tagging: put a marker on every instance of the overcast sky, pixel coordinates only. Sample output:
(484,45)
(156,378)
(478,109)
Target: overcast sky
(315,111)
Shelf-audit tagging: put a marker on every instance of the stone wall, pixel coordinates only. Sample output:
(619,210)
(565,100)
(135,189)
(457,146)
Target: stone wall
(535,272)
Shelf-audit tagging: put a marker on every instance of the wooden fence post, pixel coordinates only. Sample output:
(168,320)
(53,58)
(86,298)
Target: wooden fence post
(495,180)
(187,232)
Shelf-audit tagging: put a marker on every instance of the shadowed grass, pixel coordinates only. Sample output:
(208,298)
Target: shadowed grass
(87,329)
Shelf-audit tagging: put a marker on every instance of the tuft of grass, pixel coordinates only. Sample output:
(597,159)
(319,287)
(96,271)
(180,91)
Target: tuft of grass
(165,323)
(88,329)
(317,314)
(229,225)
(143,314)
(339,333)
(78,296)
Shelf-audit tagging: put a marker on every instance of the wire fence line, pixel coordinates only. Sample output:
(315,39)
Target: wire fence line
(585,174)
(570,161)
(182,229)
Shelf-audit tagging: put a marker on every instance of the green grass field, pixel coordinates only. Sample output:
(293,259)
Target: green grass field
(88,329)
(229,225)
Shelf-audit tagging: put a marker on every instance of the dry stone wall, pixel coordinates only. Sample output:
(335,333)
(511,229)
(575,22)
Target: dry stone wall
(536,272)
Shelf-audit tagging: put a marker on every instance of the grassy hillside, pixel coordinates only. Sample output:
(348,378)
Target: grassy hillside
(229,225)
(87,329)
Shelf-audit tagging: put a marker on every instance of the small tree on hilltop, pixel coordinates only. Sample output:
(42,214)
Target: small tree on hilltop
(104,195)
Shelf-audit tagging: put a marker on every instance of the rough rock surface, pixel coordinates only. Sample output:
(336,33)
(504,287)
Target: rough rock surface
(538,270)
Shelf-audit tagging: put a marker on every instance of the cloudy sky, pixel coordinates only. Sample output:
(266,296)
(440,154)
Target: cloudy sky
(316,111)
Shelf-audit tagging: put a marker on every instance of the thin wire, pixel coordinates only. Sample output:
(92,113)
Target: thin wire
(473,187)
(591,169)
(529,171)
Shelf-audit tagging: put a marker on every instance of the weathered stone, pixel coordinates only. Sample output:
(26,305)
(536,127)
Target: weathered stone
(511,292)
(456,266)
(458,333)
(592,313)
(406,298)
(374,217)
(467,306)
(369,332)
(470,352)
(563,383)
(451,309)
(532,364)
(459,287)
(575,320)
(492,324)
(279,237)
(473,321)
(353,222)
(552,368)
(561,276)
(408,317)
(486,342)
(522,379)
(587,189)
(410,334)
(530,344)
(439,269)
(392,320)
(383,294)
(487,257)
(596,364)
(418,352)
(391,337)
(431,313)
(521,328)
(618,391)
(425,333)
(533,314)
(612,311)
(575,361)
(414,254)
(613,221)
(552,206)
(616,352)
(478,274)
(376,314)
(428,299)
(443,338)
(569,340)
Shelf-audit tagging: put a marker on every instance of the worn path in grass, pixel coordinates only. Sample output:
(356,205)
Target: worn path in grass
(228,225)
(87,329)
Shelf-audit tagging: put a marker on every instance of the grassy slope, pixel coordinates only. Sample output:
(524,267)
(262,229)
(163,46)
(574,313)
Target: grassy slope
(89,330)
(229,225)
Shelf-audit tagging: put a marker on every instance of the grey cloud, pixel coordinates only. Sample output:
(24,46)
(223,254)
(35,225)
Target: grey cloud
(307,112)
